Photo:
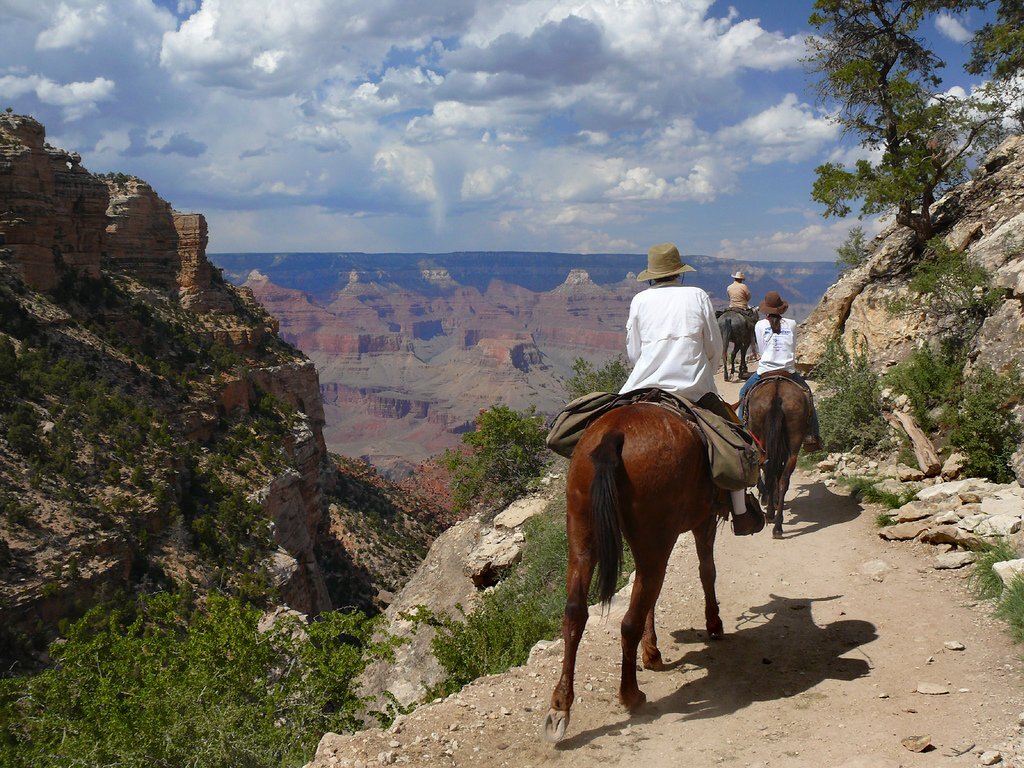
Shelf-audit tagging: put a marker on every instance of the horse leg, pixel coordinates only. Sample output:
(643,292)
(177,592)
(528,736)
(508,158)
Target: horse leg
(725,360)
(783,489)
(705,541)
(646,588)
(650,652)
(580,572)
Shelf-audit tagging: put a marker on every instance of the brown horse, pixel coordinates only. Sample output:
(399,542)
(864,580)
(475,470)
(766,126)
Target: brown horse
(778,414)
(639,472)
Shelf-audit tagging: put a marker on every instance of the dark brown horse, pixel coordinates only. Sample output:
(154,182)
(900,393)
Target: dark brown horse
(641,473)
(778,414)
(737,329)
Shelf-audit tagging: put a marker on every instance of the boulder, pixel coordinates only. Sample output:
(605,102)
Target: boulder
(1007,570)
(953,466)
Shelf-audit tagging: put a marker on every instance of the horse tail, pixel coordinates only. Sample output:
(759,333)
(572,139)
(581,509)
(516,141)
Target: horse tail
(776,445)
(604,510)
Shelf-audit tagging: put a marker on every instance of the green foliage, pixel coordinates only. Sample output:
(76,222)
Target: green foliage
(866,488)
(521,610)
(167,685)
(876,70)
(952,289)
(503,457)
(986,582)
(586,379)
(929,378)
(853,251)
(983,426)
(1011,607)
(851,410)
(999,46)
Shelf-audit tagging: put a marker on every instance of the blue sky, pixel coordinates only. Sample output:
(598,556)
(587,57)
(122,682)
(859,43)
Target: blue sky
(402,125)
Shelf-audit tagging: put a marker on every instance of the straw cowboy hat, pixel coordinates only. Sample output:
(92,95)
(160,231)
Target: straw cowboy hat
(773,304)
(738,275)
(663,261)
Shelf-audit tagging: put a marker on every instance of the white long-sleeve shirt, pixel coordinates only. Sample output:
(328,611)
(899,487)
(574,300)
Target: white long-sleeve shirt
(673,341)
(777,350)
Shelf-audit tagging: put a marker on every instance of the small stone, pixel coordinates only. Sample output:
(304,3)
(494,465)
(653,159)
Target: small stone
(953,645)
(932,689)
(990,757)
(883,695)
(917,743)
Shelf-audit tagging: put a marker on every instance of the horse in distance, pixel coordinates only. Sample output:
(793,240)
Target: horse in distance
(778,414)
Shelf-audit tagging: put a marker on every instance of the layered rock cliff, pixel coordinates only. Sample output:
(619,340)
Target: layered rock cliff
(984,218)
(154,430)
(411,347)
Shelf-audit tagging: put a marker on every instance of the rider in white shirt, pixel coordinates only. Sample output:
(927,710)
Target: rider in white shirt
(674,344)
(775,336)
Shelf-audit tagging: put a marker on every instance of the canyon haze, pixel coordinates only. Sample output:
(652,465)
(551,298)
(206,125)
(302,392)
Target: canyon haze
(411,346)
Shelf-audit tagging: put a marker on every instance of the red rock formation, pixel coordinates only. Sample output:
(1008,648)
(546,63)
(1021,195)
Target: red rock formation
(141,236)
(52,211)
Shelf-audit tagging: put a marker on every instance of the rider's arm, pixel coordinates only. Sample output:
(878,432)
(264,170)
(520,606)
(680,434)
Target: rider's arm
(712,336)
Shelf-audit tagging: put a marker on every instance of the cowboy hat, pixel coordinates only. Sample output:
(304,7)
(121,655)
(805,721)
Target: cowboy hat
(663,261)
(738,275)
(773,304)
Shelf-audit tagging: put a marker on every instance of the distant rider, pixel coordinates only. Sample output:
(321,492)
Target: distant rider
(674,344)
(776,343)
(739,293)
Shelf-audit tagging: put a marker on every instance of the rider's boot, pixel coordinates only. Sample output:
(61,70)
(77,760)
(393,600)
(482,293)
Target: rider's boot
(751,520)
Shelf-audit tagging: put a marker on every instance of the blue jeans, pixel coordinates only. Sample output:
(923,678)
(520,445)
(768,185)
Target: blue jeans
(755,377)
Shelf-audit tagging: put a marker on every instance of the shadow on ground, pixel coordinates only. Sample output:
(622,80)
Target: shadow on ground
(814,506)
(776,653)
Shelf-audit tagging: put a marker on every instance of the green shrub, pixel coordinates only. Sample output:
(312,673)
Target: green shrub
(503,457)
(983,426)
(866,488)
(986,582)
(929,378)
(586,379)
(850,412)
(521,610)
(166,685)
(1011,607)
(853,251)
(951,287)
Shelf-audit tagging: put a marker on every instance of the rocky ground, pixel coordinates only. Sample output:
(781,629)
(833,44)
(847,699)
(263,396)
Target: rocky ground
(839,647)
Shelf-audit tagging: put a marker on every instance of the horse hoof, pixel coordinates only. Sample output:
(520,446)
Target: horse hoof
(776,533)
(656,663)
(716,631)
(633,703)
(555,723)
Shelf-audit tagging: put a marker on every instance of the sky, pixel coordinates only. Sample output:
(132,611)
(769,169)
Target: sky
(581,126)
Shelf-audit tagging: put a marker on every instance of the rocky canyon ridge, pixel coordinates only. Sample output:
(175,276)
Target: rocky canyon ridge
(410,347)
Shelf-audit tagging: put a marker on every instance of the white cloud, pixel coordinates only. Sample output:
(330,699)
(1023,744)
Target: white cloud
(789,131)
(951,27)
(485,183)
(76,100)
(409,170)
(72,27)
(815,242)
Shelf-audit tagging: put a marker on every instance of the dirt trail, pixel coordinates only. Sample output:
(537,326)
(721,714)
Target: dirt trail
(829,633)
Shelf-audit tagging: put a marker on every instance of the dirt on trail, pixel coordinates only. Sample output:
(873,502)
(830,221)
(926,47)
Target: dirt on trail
(831,634)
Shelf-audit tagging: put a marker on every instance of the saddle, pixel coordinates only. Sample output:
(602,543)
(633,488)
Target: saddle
(732,452)
(773,376)
(747,313)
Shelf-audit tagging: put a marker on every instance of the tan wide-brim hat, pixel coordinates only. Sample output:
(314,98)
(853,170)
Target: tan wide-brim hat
(773,304)
(738,275)
(663,261)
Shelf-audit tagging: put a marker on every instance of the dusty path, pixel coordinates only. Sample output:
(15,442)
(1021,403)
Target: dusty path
(829,633)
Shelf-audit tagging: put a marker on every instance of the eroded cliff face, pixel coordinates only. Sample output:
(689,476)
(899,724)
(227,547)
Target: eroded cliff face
(157,328)
(411,347)
(53,211)
(983,217)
